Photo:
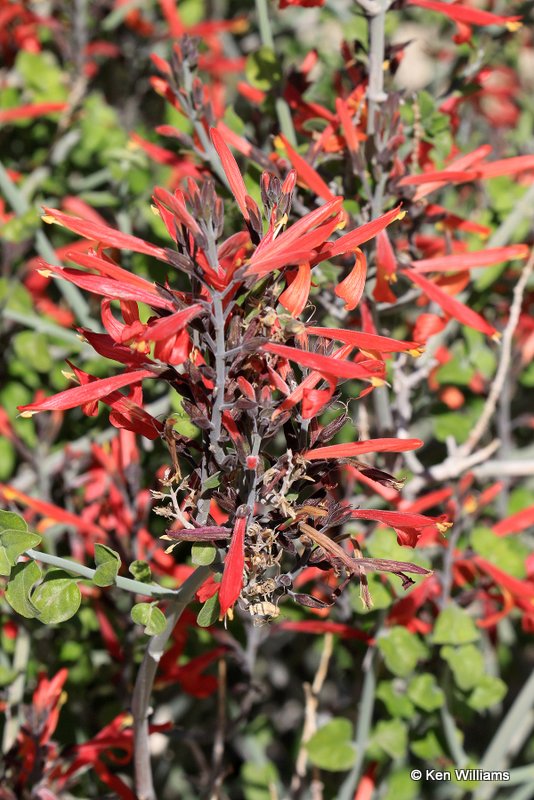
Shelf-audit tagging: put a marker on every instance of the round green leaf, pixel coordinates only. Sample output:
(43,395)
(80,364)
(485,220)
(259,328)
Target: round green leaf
(10,521)
(107,565)
(23,578)
(488,692)
(57,598)
(141,571)
(455,626)
(401,651)
(12,545)
(390,737)
(466,663)
(331,747)
(401,786)
(149,615)
(210,612)
(425,693)
(396,702)
(427,748)
(203,554)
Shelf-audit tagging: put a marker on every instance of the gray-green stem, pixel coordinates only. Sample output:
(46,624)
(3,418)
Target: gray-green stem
(283,112)
(146,589)
(144,683)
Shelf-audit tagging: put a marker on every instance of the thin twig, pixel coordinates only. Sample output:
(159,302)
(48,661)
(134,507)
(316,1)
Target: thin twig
(311,693)
(504,363)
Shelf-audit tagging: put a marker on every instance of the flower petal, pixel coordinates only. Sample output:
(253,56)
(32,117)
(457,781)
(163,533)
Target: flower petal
(365,341)
(327,364)
(89,392)
(232,171)
(351,288)
(103,234)
(450,305)
(234,564)
(359,448)
(295,297)
(477,258)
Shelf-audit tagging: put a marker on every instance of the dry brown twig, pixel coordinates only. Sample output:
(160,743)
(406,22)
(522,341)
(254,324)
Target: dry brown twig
(312,692)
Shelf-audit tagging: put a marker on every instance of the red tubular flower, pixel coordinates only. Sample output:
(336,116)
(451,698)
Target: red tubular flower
(516,523)
(298,242)
(477,258)
(31,111)
(295,297)
(350,241)
(51,512)
(351,288)
(234,564)
(366,341)
(327,364)
(359,448)
(103,234)
(408,527)
(231,170)
(467,14)
(88,393)
(306,173)
(450,305)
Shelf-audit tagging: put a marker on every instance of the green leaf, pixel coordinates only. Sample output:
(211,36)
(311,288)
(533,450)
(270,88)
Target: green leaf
(149,615)
(455,626)
(212,482)
(203,554)
(466,664)
(262,69)
(487,693)
(7,675)
(396,702)
(456,371)
(508,553)
(23,578)
(331,747)
(259,781)
(210,612)
(33,349)
(9,521)
(141,571)
(57,598)
(390,737)
(428,748)
(401,650)
(12,544)
(451,423)
(425,693)
(183,424)
(401,786)
(107,565)
(8,458)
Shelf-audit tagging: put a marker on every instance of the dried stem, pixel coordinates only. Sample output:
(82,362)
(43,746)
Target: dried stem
(311,693)
(504,363)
